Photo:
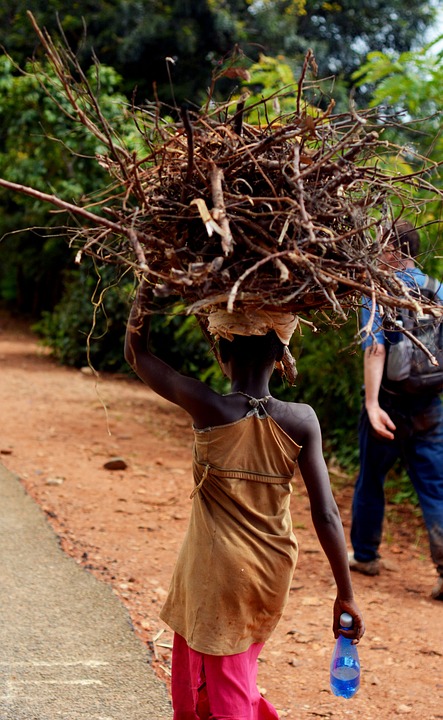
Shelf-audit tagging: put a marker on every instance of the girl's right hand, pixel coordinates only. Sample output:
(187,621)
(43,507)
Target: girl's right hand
(357,630)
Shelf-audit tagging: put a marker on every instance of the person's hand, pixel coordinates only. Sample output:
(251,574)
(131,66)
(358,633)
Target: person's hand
(357,630)
(142,301)
(380,421)
(145,290)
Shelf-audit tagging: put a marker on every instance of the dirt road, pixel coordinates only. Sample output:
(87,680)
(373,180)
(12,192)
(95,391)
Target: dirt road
(59,429)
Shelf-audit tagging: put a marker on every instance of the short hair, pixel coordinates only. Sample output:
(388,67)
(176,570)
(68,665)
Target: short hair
(252,350)
(406,238)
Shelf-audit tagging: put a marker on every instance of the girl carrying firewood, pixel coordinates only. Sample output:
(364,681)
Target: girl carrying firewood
(235,567)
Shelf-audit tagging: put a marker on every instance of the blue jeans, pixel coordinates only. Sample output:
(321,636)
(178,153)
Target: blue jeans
(418,442)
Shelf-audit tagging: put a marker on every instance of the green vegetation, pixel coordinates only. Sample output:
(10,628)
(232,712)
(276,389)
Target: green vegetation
(87,326)
(136,36)
(80,311)
(43,147)
(408,86)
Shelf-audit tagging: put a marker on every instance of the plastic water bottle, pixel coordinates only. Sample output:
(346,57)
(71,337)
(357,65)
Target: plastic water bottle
(345,665)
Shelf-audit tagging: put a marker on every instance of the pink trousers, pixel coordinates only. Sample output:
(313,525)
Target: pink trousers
(217,687)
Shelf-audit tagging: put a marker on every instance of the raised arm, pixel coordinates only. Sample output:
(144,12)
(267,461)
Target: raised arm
(187,392)
(327,523)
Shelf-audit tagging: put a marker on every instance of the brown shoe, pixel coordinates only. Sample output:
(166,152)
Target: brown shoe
(437,591)
(372,567)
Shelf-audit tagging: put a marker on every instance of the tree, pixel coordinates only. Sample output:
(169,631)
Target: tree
(342,33)
(137,36)
(408,86)
(42,145)
(268,73)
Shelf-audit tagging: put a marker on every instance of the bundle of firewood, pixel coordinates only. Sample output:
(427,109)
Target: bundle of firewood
(277,216)
(292,213)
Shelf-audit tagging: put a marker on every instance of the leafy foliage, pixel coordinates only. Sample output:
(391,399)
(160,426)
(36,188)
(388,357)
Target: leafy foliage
(40,144)
(150,41)
(87,326)
(409,80)
(408,86)
(330,379)
(399,489)
(342,33)
(136,37)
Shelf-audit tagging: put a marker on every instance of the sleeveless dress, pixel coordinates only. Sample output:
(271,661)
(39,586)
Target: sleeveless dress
(234,570)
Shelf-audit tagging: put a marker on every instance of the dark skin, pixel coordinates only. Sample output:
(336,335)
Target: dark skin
(208,408)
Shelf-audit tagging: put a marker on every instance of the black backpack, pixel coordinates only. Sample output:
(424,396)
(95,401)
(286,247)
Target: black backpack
(408,369)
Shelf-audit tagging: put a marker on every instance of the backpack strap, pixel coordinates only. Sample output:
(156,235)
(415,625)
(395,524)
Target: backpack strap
(433,286)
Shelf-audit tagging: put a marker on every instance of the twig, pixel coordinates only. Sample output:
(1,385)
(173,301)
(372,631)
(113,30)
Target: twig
(296,200)
(190,136)
(97,220)
(219,212)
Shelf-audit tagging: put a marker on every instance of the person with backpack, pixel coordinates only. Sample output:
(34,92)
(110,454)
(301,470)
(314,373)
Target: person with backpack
(234,570)
(400,417)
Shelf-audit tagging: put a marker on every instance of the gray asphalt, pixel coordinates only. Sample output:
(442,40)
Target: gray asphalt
(67,648)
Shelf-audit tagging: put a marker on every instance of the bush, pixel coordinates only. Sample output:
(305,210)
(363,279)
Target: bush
(330,366)
(87,326)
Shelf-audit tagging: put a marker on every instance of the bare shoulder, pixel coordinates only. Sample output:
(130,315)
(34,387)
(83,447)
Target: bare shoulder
(298,420)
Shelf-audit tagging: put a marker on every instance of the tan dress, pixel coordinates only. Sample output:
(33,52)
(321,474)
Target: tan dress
(232,577)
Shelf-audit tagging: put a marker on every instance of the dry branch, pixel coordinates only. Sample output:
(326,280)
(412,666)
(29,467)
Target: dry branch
(290,214)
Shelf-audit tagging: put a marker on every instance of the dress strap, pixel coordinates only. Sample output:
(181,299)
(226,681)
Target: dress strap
(254,402)
(203,478)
